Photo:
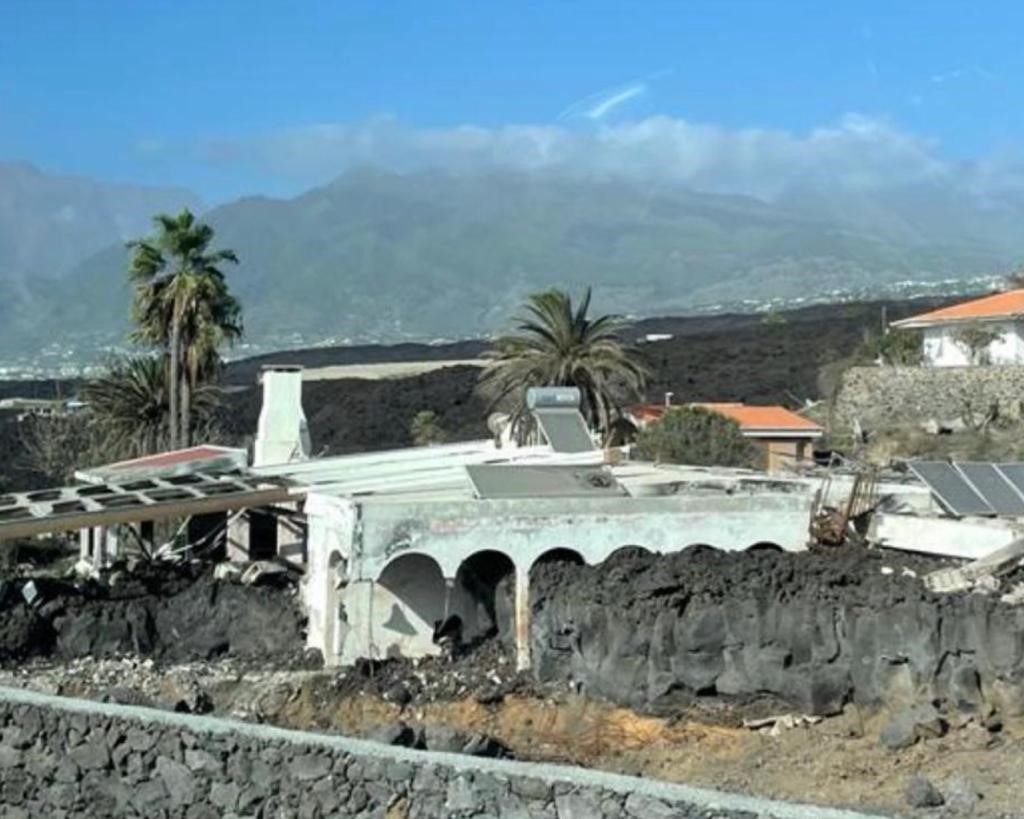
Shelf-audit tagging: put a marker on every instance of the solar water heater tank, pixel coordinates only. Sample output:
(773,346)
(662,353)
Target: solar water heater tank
(544,397)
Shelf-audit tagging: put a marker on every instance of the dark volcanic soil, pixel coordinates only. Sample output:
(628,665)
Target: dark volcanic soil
(711,358)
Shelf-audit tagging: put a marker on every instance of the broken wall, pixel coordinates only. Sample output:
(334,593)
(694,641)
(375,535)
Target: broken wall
(880,397)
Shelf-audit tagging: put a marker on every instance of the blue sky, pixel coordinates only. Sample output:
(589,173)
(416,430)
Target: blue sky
(233,97)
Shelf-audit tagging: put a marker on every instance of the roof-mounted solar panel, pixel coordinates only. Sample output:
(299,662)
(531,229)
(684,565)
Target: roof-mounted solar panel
(556,410)
(496,481)
(994,487)
(951,489)
(1014,474)
(564,429)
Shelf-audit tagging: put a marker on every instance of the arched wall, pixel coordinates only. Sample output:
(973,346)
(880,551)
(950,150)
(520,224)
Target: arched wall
(559,554)
(483,595)
(405,603)
(764,546)
(450,533)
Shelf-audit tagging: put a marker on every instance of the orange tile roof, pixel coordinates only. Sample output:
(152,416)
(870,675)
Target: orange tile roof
(773,417)
(750,418)
(998,305)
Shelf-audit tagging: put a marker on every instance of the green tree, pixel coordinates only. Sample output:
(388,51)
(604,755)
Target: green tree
(129,407)
(896,347)
(693,435)
(556,345)
(183,306)
(426,429)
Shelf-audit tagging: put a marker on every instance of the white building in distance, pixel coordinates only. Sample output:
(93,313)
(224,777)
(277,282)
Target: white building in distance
(946,331)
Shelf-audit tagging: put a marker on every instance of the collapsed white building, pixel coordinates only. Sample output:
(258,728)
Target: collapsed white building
(394,543)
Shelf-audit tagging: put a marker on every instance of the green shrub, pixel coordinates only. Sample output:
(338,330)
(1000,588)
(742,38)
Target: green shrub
(897,347)
(425,429)
(692,435)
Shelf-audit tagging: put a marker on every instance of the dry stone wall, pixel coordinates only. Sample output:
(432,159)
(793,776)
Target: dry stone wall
(72,758)
(885,396)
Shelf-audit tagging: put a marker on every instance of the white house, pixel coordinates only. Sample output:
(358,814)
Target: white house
(1002,314)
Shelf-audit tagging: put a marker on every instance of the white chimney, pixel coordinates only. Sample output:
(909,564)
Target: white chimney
(282,434)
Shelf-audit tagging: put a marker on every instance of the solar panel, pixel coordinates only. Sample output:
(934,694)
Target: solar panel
(997,491)
(1014,473)
(493,481)
(564,428)
(953,492)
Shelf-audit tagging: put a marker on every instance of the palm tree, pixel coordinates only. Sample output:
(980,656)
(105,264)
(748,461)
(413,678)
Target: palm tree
(130,407)
(183,305)
(558,346)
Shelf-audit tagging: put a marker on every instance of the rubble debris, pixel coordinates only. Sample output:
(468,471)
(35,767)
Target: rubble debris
(775,725)
(979,575)
(439,738)
(266,573)
(961,795)
(227,570)
(836,525)
(448,636)
(921,793)
(1015,596)
(486,670)
(912,725)
(123,695)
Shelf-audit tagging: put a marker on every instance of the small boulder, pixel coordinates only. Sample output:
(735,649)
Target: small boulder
(395,733)
(961,795)
(398,693)
(921,793)
(907,727)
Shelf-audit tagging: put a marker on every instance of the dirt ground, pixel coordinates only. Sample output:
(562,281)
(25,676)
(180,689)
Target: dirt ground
(837,761)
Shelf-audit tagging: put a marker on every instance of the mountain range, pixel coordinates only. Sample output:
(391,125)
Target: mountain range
(379,255)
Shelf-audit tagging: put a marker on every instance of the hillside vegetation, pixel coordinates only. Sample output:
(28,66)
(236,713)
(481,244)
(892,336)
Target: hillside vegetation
(381,255)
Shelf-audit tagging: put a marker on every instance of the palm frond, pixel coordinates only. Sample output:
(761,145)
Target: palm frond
(555,344)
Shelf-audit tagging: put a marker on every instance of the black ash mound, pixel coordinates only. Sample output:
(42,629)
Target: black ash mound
(816,630)
(170,613)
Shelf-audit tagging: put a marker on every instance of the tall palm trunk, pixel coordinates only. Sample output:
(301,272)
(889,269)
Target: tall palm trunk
(186,408)
(174,377)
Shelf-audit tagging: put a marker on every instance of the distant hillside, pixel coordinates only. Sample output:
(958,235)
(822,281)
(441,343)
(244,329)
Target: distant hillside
(50,223)
(383,256)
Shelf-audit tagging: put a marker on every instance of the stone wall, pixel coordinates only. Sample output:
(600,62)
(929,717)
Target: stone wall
(884,396)
(67,758)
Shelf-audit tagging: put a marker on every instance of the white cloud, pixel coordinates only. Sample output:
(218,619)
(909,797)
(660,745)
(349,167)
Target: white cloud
(598,106)
(857,152)
(965,72)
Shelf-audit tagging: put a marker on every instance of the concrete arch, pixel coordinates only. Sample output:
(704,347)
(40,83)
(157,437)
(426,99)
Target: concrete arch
(764,546)
(695,549)
(483,595)
(559,555)
(408,600)
(628,552)
(398,556)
